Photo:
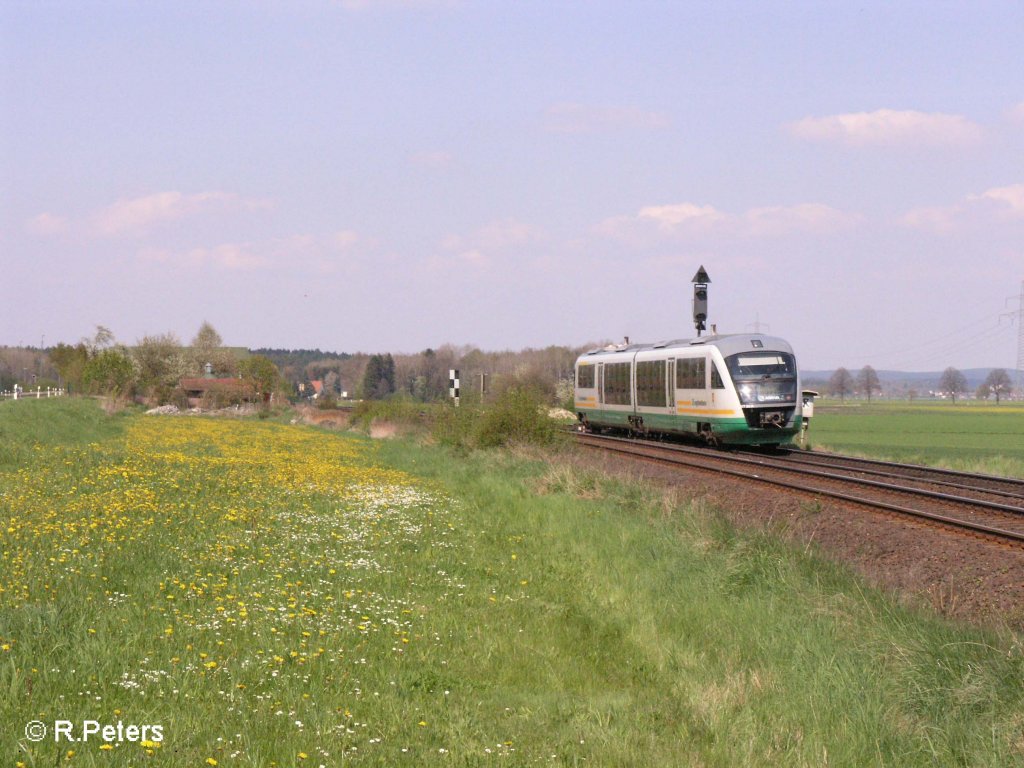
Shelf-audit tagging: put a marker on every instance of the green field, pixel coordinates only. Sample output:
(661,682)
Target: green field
(275,595)
(975,437)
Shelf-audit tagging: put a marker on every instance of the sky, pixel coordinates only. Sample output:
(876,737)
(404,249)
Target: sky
(392,175)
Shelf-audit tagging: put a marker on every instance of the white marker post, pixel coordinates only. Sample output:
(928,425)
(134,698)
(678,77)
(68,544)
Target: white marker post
(453,385)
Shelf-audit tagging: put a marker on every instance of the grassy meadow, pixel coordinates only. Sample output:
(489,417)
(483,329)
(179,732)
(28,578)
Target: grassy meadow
(977,437)
(278,595)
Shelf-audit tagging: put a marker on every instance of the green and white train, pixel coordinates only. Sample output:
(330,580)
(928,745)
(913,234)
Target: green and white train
(741,389)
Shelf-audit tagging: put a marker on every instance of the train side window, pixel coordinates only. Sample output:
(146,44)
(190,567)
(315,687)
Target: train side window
(716,378)
(690,373)
(650,383)
(585,377)
(617,390)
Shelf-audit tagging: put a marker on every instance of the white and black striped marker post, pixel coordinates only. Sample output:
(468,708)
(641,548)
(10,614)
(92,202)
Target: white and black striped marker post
(453,384)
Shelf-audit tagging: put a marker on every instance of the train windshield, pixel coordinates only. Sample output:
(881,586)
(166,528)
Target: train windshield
(763,377)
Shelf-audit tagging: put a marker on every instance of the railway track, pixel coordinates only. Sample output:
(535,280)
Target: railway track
(1006,487)
(978,505)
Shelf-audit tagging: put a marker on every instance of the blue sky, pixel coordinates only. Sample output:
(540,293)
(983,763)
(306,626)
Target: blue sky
(392,175)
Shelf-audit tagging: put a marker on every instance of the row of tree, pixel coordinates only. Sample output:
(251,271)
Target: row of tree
(152,370)
(423,376)
(952,383)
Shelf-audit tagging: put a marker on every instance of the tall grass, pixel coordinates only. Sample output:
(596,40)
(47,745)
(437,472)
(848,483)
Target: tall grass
(28,424)
(663,636)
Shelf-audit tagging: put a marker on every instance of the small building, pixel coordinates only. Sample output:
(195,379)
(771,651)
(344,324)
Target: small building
(217,392)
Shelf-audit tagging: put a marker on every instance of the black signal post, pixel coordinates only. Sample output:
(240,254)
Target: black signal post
(700,299)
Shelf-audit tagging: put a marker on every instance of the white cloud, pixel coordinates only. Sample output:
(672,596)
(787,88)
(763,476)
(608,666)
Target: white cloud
(131,216)
(806,217)
(571,117)
(992,206)
(493,240)
(889,127)
(325,254)
(935,218)
(1008,201)
(229,256)
(317,253)
(669,217)
(46,224)
(689,221)
(234,256)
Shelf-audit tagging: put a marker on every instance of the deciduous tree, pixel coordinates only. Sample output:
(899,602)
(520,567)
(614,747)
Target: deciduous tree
(952,382)
(161,362)
(868,381)
(208,347)
(997,383)
(109,372)
(70,363)
(261,374)
(841,383)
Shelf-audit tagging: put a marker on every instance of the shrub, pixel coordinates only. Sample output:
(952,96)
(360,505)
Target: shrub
(518,415)
(397,411)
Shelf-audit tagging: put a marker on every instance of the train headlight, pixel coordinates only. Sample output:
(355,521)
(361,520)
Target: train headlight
(747,393)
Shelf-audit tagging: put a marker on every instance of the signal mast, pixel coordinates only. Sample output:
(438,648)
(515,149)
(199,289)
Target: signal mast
(700,299)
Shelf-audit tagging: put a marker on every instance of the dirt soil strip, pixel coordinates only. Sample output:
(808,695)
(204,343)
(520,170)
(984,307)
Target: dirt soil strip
(967,578)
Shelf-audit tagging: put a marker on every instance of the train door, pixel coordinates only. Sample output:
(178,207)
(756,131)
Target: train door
(670,385)
(717,384)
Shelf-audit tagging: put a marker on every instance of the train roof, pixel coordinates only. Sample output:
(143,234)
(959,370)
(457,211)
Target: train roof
(728,344)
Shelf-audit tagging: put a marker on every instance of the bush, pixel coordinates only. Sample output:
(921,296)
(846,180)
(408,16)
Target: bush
(110,372)
(517,415)
(396,411)
(456,427)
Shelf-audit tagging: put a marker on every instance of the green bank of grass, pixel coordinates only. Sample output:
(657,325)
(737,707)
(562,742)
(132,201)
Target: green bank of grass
(27,424)
(972,437)
(500,609)
(659,635)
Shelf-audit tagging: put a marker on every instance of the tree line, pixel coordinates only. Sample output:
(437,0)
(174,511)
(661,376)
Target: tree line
(151,369)
(952,383)
(424,376)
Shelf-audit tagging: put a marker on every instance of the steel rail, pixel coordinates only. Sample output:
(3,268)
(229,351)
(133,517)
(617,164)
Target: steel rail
(631,448)
(796,458)
(814,456)
(1015,509)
